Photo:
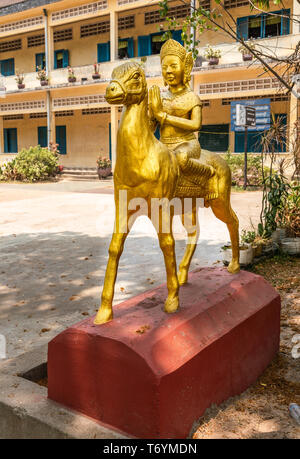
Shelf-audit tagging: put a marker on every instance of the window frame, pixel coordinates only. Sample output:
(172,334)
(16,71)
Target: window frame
(244,21)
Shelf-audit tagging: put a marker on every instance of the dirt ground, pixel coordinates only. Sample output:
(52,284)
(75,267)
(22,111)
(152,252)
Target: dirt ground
(262,411)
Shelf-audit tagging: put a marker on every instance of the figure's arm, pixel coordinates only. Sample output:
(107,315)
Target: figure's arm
(193,124)
(152,120)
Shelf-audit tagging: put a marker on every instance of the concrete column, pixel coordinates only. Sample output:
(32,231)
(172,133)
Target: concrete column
(49,45)
(113,36)
(1,135)
(295,26)
(114,129)
(293,115)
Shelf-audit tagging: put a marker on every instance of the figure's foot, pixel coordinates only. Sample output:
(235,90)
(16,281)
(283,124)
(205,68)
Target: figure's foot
(172,305)
(103,315)
(233,267)
(182,276)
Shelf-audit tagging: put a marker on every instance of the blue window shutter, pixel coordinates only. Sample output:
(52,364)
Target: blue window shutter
(6,141)
(242,27)
(285,22)
(13,140)
(263,26)
(61,139)
(55,59)
(10,140)
(130,47)
(176,34)
(65,58)
(42,136)
(103,50)
(39,60)
(144,45)
(8,67)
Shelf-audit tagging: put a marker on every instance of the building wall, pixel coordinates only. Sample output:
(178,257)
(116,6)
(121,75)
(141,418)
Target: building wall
(88,136)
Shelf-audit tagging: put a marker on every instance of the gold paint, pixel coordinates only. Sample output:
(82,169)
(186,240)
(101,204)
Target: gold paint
(173,167)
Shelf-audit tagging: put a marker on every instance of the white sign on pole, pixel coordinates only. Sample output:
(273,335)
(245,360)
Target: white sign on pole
(245,116)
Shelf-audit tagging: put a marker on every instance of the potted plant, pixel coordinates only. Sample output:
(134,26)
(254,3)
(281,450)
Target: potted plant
(96,74)
(246,254)
(291,219)
(246,53)
(42,76)
(71,75)
(19,79)
(212,55)
(103,167)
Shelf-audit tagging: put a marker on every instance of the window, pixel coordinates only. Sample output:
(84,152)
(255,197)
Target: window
(156,42)
(264,25)
(126,22)
(62,35)
(125,49)
(103,52)
(10,140)
(61,139)
(12,45)
(151,44)
(35,40)
(7,67)
(42,136)
(40,61)
(94,29)
(61,58)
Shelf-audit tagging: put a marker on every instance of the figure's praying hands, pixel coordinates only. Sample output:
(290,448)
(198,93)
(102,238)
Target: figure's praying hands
(155,103)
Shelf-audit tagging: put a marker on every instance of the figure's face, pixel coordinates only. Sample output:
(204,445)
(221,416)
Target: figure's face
(172,70)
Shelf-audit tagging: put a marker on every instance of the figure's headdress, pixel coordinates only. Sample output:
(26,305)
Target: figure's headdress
(174,48)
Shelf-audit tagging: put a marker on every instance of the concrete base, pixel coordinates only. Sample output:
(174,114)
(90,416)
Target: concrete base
(151,374)
(25,411)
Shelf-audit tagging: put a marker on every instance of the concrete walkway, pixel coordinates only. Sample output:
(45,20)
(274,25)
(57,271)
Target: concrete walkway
(54,240)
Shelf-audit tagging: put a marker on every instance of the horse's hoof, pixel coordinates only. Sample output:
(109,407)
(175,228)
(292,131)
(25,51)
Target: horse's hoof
(182,276)
(172,305)
(103,315)
(233,267)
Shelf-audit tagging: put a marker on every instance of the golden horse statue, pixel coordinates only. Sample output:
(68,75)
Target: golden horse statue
(148,170)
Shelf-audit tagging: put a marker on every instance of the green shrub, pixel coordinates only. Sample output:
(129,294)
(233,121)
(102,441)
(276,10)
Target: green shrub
(32,165)
(254,172)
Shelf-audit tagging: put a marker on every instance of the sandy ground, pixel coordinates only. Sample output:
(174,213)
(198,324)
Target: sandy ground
(54,240)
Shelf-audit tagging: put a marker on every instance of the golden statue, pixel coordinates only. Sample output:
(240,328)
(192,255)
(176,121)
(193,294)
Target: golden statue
(174,167)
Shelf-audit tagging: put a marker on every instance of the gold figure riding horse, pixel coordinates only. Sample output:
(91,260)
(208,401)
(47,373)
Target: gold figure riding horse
(146,168)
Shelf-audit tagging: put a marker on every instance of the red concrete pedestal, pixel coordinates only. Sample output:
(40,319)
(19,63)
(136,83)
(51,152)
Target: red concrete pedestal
(151,374)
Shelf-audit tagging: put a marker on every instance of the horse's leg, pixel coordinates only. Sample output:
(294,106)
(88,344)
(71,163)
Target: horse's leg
(222,210)
(105,312)
(167,245)
(188,221)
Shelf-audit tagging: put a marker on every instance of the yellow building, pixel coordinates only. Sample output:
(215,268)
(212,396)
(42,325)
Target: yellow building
(79,33)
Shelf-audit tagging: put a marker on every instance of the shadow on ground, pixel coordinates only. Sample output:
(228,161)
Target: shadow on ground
(48,281)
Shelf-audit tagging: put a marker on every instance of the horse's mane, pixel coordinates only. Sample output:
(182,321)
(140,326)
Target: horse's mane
(122,69)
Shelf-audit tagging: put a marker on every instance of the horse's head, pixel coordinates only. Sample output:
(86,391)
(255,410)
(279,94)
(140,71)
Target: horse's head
(127,86)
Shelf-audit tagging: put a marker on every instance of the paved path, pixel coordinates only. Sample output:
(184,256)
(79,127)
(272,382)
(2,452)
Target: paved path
(54,239)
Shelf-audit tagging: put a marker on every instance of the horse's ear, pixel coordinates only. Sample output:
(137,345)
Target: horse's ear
(188,65)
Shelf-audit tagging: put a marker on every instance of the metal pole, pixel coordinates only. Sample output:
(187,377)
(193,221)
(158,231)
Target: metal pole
(245,157)
(47,73)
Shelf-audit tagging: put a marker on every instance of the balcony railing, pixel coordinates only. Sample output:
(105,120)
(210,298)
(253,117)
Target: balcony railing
(280,46)
(239,85)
